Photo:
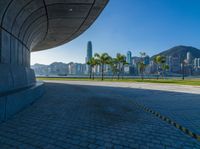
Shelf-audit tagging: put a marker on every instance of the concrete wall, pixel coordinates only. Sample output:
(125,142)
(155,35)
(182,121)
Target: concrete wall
(14,101)
(15,76)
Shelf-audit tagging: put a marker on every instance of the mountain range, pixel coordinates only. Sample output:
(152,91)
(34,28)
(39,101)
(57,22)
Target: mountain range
(180,51)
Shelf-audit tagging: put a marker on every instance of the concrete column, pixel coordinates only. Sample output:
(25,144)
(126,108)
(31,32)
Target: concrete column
(15,69)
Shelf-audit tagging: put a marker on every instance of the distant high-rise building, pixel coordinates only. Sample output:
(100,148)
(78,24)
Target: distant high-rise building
(189,58)
(129,57)
(153,67)
(58,68)
(174,63)
(76,68)
(197,63)
(89,55)
(135,60)
(89,51)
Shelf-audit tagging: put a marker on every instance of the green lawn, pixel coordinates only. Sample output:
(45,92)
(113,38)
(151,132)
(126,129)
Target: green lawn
(195,82)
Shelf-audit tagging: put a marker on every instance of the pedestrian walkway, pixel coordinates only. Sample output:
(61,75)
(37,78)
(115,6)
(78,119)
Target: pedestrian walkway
(97,117)
(179,102)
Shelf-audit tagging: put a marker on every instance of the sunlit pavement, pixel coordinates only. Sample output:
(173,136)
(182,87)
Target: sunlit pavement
(103,115)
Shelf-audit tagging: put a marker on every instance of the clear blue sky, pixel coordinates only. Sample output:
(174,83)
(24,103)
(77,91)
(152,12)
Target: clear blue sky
(136,25)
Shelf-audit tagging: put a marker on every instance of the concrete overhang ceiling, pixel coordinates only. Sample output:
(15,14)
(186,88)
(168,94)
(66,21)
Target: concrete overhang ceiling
(44,24)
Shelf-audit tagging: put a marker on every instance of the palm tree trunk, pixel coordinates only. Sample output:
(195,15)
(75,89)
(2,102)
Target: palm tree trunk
(122,72)
(183,72)
(157,72)
(93,76)
(90,74)
(118,76)
(164,75)
(102,71)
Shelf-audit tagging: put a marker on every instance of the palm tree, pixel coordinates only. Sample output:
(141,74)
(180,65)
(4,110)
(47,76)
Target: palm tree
(160,60)
(89,63)
(157,67)
(102,59)
(95,62)
(183,68)
(141,66)
(165,67)
(114,68)
(92,63)
(143,55)
(121,62)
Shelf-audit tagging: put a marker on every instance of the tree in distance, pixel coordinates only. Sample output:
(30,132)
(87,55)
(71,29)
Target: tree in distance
(141,64)
(121,62)
(92,63)
(102,59)
(160,60)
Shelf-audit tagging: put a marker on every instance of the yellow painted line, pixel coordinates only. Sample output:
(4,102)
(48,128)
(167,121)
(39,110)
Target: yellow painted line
(171,122)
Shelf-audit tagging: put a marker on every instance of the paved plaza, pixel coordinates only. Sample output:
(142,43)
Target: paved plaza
(98,115)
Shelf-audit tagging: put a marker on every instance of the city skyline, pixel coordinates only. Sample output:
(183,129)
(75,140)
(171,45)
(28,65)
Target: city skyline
(89,53)
(189,56)
(150,26)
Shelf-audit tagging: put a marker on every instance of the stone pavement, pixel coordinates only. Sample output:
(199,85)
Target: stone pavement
(179,102)
(78,116)
(184,108)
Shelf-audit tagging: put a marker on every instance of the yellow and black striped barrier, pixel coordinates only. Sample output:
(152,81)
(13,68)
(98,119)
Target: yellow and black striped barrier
(171,122)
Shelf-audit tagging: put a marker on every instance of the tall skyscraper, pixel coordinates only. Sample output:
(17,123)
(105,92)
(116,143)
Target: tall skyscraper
(89,51)
(129,57)
(89,55)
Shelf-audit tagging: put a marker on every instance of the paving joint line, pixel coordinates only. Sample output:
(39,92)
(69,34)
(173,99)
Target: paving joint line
(170,121)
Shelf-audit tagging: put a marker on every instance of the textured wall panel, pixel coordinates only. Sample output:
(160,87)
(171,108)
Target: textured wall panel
(5,47)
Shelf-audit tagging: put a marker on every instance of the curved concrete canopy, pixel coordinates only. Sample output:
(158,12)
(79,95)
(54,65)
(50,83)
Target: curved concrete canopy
(33,25)
(44,24)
